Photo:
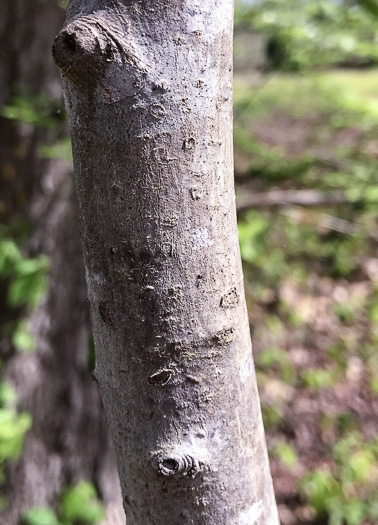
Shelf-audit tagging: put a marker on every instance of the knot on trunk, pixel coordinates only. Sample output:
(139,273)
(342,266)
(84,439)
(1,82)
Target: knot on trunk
(81,52)
(175,463)
(89,45)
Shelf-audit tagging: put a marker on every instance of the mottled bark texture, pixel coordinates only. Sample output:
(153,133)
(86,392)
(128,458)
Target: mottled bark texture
(68,440)
(148,88)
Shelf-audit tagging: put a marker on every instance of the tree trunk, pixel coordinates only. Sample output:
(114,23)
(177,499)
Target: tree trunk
(148,88)
(68,440)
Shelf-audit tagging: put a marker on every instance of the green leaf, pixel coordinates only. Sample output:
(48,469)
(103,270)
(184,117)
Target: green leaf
(370,5)
(317,378)
(271,356)
(345,447)
(371,194)
(40,516)
(13,427)
(22,113)
(80,504)
(271,416)
(355,511)
(8,396)
(374,385)
(286,453)
(335,510)
(251,230)
(321,488)
(361,463)
(27,288)
(22,338)
(9,255)
(60,150)
(35,111)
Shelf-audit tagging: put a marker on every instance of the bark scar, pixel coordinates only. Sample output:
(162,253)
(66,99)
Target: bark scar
(175,464)
(162,377)
(105,314)
(230,299)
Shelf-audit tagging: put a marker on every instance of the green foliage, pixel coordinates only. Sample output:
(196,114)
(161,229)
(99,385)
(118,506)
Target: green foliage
(340,424)
(338,354)
(277,243)
(271,415)
(8,396)
(370,5)
(373,308)
(370,357)
(26,276)
(80,504)
(23,282)
(317,378)
(42,112)
(60,149)
(374,385)
(22,339)
(345,312)
(355,458)
(13,426)
(314,33)
(311,275)
(251,236)
(321,488)
(270,357)
(12,430)
(347,493)
(62,4)
(33,110)
(40,516)
(286,453)
(28,281)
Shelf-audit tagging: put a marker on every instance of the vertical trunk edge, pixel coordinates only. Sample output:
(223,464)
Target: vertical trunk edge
(148,89)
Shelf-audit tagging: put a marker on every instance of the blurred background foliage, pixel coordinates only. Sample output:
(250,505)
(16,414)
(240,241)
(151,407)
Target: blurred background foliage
(306,152)
(308,34)
(306,158)
(77,505)
(22,284)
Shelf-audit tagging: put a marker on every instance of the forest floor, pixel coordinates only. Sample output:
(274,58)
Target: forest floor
(311,277)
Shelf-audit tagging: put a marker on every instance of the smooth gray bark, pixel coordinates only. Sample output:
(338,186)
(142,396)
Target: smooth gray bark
(148,89)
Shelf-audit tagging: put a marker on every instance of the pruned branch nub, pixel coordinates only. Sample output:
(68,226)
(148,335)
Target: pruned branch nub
(77,52)
(86,47)
(172,464)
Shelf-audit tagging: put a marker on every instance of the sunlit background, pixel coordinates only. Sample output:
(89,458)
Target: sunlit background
(306,172)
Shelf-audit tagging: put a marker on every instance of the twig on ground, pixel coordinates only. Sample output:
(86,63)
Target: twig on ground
(291,198)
